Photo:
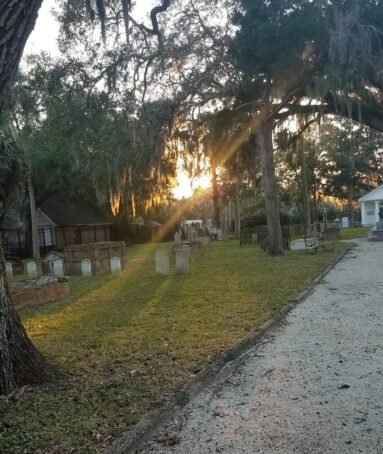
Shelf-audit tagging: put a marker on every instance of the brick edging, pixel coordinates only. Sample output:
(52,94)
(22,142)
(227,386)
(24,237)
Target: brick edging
(131,440)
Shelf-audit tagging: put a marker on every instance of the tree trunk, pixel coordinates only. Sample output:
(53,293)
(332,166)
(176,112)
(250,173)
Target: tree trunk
(264,141)
(237,209)
(350,206)
(217,211)
(17,19)
(305,190)
(34,226)
(20,362)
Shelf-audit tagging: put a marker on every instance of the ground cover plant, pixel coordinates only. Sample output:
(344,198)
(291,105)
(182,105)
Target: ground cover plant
(354,232)
(127,343)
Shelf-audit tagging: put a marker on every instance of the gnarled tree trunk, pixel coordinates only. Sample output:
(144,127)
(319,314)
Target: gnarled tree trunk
(264,141)
(20,362)
(217,211)
(17,19)
(305,189)
(237,208)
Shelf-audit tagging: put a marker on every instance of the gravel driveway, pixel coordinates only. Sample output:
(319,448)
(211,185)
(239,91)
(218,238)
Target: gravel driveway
(314,385)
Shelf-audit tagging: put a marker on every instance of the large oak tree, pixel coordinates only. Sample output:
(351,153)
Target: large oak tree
(306,57)
(20,361)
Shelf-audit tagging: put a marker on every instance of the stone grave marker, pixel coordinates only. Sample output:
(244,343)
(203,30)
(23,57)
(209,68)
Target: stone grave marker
(9,270)
(162,261)
(182,260)
(219,235)
(177,237)
(58,267)
(31,270)
(86,267)
(205,240)
(115,265)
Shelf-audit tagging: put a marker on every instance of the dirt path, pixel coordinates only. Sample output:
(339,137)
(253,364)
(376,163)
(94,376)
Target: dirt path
(315,385)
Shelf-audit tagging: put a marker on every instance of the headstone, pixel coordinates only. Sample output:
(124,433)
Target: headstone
(86,267)
(31,270)
(115,265)
(182,260)
(254,237)
(177,237)
(58,267)
(205,240)
(192,234)
(9,270)
(162,261)
(298,245)
(219,235)
(345,222)
(48,262)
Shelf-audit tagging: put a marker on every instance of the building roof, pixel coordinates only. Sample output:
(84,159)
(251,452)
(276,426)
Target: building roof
(62,210)
(376,194)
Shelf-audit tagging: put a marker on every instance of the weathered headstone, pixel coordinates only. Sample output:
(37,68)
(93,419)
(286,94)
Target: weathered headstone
(219,235)
(31,270)
(177,237)
(86,267)
(9,270)
(58,267)
(205,240)
(182,260)
(115,265)
(162,261)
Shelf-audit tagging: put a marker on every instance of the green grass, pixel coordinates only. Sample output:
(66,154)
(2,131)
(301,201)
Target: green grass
(127,343)
(354,232)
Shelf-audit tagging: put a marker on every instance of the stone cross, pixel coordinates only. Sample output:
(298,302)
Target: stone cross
(182,260)
(162,261)
(31,270)
(9,270)
(86,267)
(58,267)
(115,265)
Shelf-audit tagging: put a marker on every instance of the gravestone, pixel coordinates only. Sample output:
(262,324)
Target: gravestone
(192,234)
(182,260)
(219,235)
(48,262)
(31,270)
(58,267)
(177,237)
(86,267)
(205,240)
(162,261)
(115,265)
(9,270)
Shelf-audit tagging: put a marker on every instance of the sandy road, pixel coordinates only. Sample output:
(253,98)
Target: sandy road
(315,384)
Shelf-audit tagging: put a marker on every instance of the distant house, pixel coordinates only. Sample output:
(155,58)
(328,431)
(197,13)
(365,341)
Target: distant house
(63,221)
(370,205)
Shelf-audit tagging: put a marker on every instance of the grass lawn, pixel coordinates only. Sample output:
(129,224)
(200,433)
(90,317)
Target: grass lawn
(127,343)
(354,232)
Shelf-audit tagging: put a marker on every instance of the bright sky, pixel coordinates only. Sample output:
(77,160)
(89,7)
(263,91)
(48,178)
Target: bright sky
(43,37)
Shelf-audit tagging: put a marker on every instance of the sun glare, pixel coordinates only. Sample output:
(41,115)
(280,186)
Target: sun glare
(186,185)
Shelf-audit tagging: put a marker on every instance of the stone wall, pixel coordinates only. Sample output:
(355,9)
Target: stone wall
(98,253)
(33,292)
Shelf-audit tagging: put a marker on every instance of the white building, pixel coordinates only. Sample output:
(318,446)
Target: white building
(370,204)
